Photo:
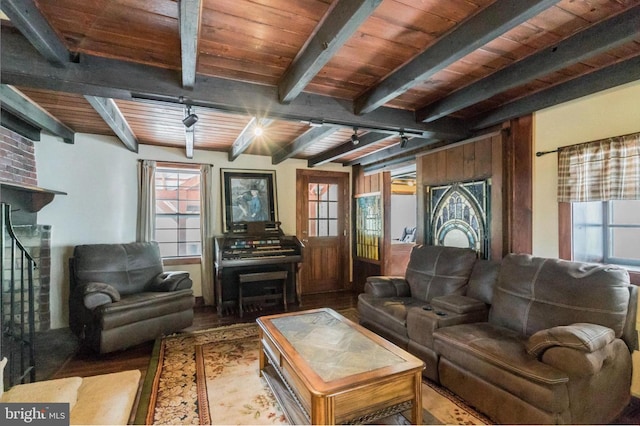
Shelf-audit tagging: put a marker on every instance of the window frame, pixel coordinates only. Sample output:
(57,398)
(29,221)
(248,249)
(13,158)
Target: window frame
(565,238)
(180,259)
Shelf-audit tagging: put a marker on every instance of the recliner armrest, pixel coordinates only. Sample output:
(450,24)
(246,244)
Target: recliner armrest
(584,337)
(386,286)
(575,362)
(96,294)
(171,281)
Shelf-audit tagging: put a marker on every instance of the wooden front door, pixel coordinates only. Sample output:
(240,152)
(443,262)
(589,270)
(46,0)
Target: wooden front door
(323,218)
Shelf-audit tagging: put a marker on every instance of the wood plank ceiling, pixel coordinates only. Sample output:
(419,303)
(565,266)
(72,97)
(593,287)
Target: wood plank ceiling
(438,71)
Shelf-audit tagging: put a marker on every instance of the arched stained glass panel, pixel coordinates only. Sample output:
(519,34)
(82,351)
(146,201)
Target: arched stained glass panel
(458,216)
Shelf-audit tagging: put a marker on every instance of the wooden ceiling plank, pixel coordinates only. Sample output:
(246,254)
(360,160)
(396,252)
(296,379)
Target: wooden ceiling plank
(26,16)
(301,142)
(347,148)
(602,79)
(21,106)
(590,42)
(343,20)
(21,65)
(481,28)
(111,114)
(190,17)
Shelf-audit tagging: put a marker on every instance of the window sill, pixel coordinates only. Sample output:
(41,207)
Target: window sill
(172,261)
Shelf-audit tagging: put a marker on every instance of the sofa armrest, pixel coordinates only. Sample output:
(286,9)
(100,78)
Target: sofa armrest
(584,337)
(96,294)
(578,363)
(386,286)
(171,281)
(458,304)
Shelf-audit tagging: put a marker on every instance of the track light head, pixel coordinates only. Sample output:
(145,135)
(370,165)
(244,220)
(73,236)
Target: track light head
(404,140)
(190,118)
(354,137)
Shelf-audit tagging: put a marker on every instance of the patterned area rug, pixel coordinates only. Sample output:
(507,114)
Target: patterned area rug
(211,377)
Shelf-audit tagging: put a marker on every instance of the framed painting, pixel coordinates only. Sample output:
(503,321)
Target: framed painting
(248,196)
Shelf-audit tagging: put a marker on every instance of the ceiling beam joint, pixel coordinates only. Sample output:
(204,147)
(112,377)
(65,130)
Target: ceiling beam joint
(28,19)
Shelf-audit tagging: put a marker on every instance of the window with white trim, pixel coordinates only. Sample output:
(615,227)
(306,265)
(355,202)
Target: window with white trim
(177,216)
(607,232)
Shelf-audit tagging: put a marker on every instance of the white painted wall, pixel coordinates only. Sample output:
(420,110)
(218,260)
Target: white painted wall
(100,177)
(613,112)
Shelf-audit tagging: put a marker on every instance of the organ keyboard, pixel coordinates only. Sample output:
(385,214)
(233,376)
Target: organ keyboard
(265,250)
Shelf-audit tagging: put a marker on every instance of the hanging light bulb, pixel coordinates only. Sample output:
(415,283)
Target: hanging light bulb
(258,130)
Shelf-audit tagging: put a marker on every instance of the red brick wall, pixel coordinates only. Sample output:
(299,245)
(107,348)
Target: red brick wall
(17,158)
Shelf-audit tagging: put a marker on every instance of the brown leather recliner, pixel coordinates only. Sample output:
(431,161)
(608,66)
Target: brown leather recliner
(120,296)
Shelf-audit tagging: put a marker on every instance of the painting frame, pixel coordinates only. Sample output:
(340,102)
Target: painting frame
(248,196)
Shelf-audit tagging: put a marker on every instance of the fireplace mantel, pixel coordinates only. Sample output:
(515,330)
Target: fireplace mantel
(28,198)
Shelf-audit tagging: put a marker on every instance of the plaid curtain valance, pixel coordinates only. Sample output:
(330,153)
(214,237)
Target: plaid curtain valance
(607,169)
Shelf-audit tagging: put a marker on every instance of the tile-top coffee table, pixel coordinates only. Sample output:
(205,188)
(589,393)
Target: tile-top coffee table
(326,369)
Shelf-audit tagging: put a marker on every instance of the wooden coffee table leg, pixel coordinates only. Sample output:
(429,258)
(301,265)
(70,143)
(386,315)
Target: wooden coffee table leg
(263,356)
(416,410)
(323,410)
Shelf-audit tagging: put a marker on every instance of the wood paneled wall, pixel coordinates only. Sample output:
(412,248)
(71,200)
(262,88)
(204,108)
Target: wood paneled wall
(505,157)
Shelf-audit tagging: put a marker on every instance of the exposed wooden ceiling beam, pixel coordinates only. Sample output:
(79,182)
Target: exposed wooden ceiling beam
(477,31)
(28,19)
(389,165)
(585,44)
(19,126)
(189,135)
(24,108)
(21,65)
(247,136)
(111,114)
(190,16)
(339,25)
(301,142)
(347,148)
(605,78)
(413,145)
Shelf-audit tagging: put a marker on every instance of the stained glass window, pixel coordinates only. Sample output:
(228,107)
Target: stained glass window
(458,216)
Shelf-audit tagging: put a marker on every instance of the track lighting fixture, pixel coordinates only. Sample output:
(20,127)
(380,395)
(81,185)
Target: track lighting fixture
(404,140)
(190,118)
(354,137)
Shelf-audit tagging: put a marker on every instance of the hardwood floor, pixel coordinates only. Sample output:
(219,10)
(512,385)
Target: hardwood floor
(85,363)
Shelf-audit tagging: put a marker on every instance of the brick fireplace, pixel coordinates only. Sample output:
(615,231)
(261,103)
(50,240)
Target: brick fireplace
(18,187)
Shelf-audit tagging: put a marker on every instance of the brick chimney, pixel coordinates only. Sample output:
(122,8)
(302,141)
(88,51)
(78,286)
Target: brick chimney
(17,171)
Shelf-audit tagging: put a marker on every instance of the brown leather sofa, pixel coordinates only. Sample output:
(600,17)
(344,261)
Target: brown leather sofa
(525,340)
(120,296)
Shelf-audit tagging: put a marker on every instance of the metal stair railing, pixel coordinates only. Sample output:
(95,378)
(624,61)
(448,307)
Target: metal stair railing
(17,305)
